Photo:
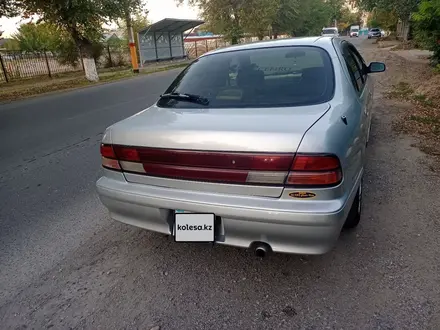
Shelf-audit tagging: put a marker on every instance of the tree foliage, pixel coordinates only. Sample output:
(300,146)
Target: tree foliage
(35,38)
(313,16)
(402,8)
(427,27)
(347,19)
(222,16)
(82,19)
(258,17)
(9,8)
(46,37)
(234,18)
(386,19)
(286,14)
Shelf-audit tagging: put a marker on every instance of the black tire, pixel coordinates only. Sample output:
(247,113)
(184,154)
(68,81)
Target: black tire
(354,216)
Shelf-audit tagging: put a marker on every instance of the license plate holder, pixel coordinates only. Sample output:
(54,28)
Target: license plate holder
(194,227)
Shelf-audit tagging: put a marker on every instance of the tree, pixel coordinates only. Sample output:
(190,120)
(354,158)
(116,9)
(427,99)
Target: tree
(234,17)
(347,18)
(45,37)
(9,8)
(427,26)
(258,16)
(336,9)
(82,19)
(402,8)
(314,15)
(35,38)
(386,19)
(222,16)
(287,13)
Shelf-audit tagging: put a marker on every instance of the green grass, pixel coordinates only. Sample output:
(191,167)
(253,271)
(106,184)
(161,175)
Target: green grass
(423,100)
(425,120)
(401,90)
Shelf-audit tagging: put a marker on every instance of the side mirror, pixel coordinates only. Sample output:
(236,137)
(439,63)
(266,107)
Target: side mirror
(376,67)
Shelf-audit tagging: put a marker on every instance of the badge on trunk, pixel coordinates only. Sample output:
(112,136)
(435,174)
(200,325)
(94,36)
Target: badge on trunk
(302,194)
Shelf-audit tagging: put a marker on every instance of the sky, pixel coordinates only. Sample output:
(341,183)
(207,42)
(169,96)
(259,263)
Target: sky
(156,9)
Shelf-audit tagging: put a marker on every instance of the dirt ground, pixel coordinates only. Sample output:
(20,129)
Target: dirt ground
(384,275)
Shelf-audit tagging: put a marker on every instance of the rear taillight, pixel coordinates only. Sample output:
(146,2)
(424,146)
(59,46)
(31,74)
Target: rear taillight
(108,157)
(315,170)
(224,167)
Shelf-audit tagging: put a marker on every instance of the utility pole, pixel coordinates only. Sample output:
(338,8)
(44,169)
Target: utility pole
(131,44)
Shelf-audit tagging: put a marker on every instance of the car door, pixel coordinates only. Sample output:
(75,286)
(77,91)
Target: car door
(359,113)
(368,88)
(362,85)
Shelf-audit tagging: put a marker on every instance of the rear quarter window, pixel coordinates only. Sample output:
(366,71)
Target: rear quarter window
(264,77)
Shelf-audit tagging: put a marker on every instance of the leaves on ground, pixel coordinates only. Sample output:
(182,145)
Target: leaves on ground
(417,84)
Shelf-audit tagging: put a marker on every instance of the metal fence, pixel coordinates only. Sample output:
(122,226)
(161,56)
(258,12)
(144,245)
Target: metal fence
(196,48)
(18,65)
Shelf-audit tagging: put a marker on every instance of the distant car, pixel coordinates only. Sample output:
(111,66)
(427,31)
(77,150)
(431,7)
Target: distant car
(259,146)
(374,33)
(330,32)
(354,33)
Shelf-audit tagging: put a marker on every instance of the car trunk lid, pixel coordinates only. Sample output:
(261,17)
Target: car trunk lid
(233,151)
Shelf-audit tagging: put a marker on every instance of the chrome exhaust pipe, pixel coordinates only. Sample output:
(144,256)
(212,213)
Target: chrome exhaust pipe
(261,251)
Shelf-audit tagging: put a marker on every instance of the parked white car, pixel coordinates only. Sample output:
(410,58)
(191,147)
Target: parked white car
(354,33)
(330,32)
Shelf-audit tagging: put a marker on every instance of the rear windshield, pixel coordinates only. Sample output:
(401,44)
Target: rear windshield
(329,31)
(264,77)
(374,30)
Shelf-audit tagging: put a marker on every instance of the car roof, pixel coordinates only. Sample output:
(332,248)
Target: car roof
(306,41)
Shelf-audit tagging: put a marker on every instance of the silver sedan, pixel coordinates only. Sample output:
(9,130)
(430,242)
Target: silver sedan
(258,146)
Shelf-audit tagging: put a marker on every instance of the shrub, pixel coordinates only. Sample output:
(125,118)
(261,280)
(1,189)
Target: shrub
(427,27)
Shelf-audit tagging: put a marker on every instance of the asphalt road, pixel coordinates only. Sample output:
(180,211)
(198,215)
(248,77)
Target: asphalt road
(65,265)
(49,164)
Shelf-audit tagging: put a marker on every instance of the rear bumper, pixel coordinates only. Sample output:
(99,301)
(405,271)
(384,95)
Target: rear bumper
(242,221)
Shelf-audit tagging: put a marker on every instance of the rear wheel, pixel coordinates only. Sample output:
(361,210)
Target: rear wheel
(354,216)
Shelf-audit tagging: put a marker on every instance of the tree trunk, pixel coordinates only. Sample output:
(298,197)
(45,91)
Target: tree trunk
(405,29)
(86,52)
(90,69)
